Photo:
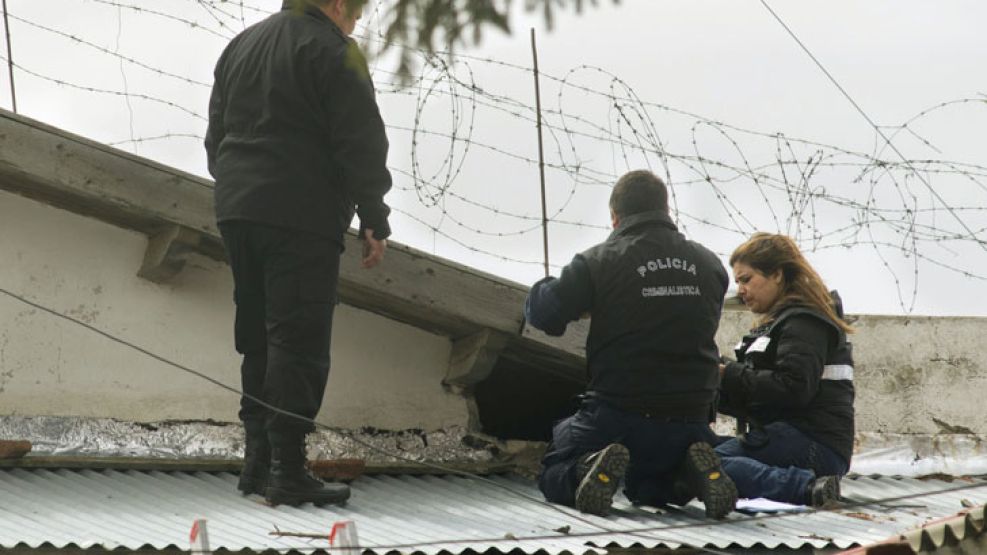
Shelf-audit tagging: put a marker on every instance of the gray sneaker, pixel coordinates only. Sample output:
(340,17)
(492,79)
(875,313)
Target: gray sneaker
(824,492)
(599,477)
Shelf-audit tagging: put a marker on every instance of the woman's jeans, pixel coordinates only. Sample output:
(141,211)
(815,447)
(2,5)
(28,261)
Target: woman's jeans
(778,462)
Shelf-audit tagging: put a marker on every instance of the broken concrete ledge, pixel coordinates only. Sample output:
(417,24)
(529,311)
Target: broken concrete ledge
(98,443)
(70,442)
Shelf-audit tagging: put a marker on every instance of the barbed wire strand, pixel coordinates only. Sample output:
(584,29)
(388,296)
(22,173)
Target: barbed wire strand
(973,236)
(794,184)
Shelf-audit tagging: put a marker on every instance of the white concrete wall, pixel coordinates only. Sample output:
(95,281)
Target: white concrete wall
(910,371)
(384,374)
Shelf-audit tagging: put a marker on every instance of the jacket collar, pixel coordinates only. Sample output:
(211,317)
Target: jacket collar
(307,8)
(644,219)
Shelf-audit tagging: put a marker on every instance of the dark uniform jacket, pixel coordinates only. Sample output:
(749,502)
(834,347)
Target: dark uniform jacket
(655,300)
(295,137)
(797,369)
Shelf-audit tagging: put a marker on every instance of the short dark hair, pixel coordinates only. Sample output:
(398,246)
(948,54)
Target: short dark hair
(351,5)
(638,191)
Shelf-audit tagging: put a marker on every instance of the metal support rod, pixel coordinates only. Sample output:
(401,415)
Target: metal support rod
(10,57)
(541,152)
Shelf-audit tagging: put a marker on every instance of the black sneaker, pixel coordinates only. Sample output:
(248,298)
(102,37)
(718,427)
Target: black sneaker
(599,477)
(711,485)
(824,492)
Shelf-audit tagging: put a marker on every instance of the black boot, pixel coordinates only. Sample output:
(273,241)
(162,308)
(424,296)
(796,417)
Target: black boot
(256,459)
(599,476)
(291,483)
(708,482)
(824,492)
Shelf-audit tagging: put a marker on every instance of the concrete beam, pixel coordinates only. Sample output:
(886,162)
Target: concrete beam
(167,251)
(89,178)
(473,358)
(471,361)
(175,209)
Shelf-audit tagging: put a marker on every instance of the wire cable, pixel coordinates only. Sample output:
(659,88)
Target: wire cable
(646,532)
(877,128)
(563,510)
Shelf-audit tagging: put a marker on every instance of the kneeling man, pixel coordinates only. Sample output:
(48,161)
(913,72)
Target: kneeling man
(655,300)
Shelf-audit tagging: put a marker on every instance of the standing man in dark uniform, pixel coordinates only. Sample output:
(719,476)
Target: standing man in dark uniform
(655,300)
(296,145)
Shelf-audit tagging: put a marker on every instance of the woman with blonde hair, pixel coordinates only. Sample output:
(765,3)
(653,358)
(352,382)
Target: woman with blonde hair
(792,380)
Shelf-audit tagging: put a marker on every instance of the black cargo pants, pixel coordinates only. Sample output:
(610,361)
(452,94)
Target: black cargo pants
(285,292)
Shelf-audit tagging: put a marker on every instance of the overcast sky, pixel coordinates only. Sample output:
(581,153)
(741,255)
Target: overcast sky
(727,61)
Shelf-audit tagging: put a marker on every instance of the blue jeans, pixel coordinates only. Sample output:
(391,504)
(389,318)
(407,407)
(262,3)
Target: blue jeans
(778,462)
(657,448)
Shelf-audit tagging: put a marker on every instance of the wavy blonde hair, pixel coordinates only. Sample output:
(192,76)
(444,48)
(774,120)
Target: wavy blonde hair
(801,285)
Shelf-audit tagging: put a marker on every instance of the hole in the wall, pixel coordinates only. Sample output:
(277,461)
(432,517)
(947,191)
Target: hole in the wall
(520,401)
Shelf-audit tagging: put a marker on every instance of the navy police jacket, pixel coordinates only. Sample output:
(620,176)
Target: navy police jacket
(295,138)
(797,369)
(655,299)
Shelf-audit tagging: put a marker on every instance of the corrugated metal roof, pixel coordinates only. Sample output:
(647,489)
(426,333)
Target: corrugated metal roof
(427,514)
(966,530)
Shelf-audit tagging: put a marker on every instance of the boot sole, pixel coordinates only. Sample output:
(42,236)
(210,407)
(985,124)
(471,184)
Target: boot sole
(276,496)
(597,488)
(715,489)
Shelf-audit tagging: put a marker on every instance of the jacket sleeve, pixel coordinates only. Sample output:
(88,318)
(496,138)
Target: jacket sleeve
(803,342)
(730,403)
(554,302)
(359,140)
(216,128)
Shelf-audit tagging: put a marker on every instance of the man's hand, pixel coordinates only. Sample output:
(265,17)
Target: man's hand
(373,249)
